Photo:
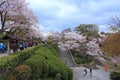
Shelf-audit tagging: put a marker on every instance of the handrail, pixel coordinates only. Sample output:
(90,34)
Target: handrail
(71,57)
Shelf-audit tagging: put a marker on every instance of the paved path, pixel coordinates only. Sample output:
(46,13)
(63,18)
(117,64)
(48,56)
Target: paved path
(98,74)
(3,54)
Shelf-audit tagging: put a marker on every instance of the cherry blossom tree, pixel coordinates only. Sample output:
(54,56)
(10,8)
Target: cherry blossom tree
(71,40)
(16,16)
(94,49)
(34,33)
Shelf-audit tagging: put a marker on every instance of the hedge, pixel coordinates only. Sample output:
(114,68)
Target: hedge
(43,61)
(8,63)
(49,64)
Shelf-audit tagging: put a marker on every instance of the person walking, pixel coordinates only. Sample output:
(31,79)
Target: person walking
(22,46)
(85,72)
(1,47)
(105,68)
(90,71)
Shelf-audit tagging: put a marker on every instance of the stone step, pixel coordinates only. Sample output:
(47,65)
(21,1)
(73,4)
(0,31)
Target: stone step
(66,58)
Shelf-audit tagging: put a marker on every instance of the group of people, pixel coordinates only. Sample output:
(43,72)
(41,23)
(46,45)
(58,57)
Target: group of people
(85,72)
(23,45)
(15,46)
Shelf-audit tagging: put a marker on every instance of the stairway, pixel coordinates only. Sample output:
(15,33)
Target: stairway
(66,58)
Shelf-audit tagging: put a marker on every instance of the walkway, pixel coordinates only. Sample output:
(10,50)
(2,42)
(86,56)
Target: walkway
(98,74)
(3,54)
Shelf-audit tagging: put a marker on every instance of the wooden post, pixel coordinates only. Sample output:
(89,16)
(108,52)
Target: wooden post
(8,46)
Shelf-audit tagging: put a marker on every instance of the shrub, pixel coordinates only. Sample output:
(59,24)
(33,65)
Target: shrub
(70,74)
(64,75)
(36,67)
(58,76)
(12,77)
(49,64)
(115,75)
(45,70)
(8,63)
(22,72)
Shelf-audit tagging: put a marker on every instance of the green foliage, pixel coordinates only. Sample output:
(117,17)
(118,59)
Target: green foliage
(36,65)
(48,78)
(22,72)
(115,75)
(81,58)
(45,70)
(58,76)
(43,61)
(8,63)
(88,30)
(64,75)
(114,29)
(1,35)
(49,62)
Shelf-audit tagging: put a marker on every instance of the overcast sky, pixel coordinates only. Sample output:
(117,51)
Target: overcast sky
(56,15)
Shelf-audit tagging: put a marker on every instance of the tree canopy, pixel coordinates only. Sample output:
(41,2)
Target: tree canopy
(88,30)
(111,44)
(15,16)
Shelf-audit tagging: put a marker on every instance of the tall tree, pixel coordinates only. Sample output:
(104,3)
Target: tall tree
(88,30)
(15,16)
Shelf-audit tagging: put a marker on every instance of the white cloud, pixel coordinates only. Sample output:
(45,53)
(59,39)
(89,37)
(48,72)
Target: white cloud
(104,28)
(58,14)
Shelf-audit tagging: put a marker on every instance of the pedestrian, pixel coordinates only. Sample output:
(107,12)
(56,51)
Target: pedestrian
(105,68)
(1,47)
(90,71)
(85,72)
(22,46)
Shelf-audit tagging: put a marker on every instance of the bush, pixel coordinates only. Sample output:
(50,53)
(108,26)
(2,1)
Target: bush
(58,76)
(115,75)
(22,72)
(64,75)
(81,57)
(8,63)
(12,78)
(45,70)
(50,64)
(36,67)
(43,61)
(70,74)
